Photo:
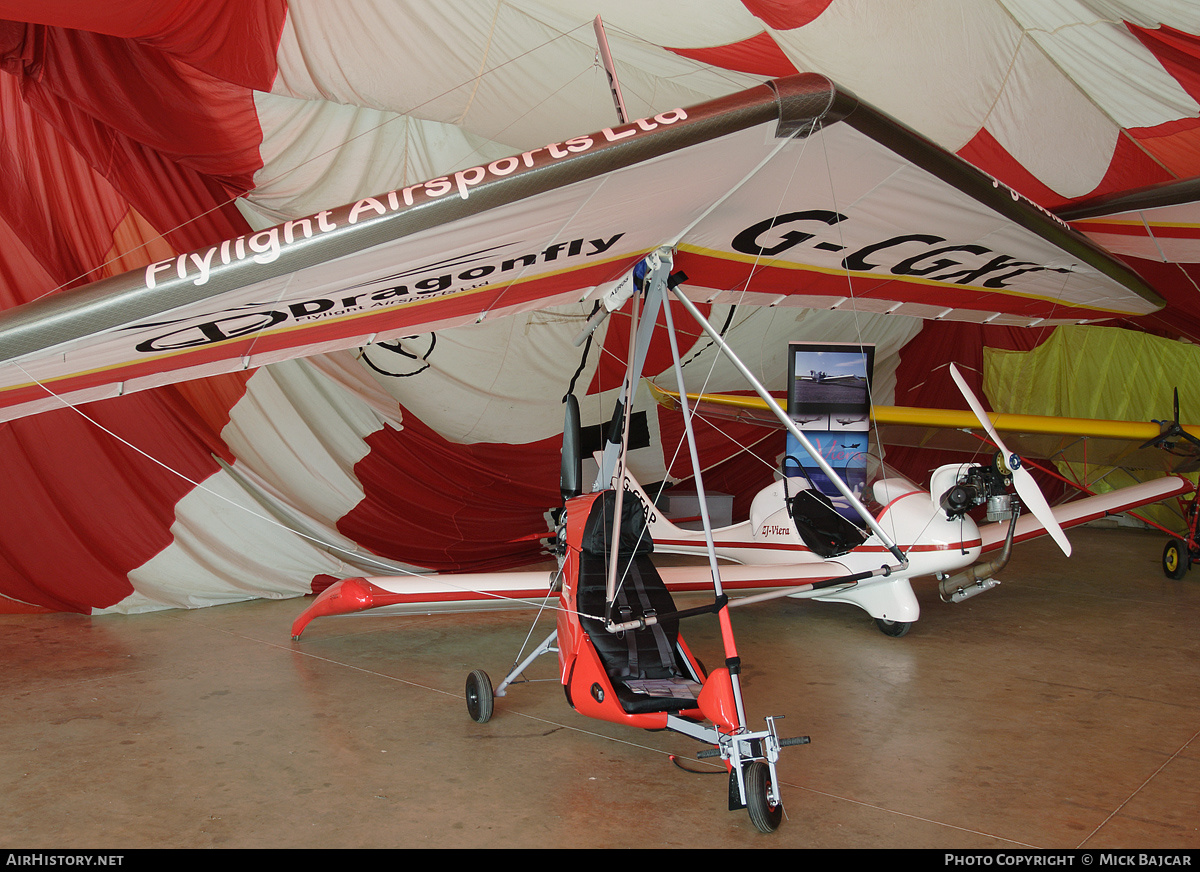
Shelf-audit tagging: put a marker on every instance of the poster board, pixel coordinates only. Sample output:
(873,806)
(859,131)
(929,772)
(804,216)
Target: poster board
(829,398)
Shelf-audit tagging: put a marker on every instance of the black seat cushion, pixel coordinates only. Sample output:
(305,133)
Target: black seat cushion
(598,531)
(642,664)
(821,526)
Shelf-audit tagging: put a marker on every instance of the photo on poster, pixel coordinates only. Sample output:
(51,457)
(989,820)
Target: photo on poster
(829,385)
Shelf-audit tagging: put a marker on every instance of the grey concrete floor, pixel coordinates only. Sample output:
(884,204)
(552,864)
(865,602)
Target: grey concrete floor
(1061,710)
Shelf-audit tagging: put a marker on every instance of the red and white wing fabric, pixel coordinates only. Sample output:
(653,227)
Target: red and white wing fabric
(792,193)
(185,140)
(1156,230)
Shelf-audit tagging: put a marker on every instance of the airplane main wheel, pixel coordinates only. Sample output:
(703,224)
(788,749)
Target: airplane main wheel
(1175,560)
(480,697)
(895,629)
(765,814)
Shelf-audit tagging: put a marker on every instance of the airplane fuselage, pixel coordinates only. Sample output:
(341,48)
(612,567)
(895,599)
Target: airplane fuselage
(769,542)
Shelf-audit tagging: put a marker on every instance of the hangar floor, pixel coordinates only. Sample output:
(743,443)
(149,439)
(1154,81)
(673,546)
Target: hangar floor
(1061,710)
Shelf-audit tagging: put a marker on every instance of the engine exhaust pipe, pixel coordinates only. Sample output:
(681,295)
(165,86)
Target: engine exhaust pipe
(978,577)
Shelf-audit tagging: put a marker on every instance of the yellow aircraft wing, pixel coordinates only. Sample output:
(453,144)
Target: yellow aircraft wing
(1079,440)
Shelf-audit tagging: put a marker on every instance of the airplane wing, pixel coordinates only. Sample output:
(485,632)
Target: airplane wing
(793,193)
(1091,440)
(472,592)
(1086,509)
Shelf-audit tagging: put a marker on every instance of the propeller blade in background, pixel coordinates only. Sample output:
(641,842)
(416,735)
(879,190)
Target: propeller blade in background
(1026,487)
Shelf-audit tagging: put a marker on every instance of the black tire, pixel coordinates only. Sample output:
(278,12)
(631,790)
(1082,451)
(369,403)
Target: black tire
(895,629)
(480,697)
(765,816)
(1175,560)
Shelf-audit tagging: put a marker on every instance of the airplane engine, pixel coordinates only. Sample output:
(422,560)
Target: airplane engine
(958,488)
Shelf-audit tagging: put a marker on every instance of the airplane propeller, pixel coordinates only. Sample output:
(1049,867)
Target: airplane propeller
(1172,435)
(1027,489)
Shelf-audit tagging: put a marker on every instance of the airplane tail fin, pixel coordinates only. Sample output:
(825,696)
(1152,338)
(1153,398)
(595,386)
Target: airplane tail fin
(656,521)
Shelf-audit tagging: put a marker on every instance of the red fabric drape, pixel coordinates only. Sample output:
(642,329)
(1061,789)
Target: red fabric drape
(110,110)
(453,507)
(759,55)
(82,509)
(786,14)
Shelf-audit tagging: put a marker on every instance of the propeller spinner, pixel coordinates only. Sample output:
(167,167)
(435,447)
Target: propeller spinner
(1027,489)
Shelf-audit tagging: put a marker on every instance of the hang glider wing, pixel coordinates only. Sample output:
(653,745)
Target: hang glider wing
(1159,223)
(793,193)
(1080,440)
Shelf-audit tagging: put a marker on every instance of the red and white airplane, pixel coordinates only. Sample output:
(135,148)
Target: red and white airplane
(795,541)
